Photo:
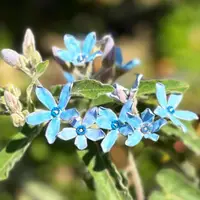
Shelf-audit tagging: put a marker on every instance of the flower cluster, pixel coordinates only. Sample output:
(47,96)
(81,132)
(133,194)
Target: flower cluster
(98,123)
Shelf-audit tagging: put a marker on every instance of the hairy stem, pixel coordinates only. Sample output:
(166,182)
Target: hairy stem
(134,177)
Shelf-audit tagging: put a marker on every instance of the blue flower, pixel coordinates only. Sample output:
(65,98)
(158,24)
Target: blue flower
(143,127)
(69,77)
(56,111)
(119,61)
(167,108)
(82,130)
(108,120)
(77,53)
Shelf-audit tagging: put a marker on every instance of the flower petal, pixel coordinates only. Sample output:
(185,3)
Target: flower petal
(67,134)
(65,96)
(158,124)
(161,94)
(109,141)
(64,55)
(133,120)
(69,114)
(77,121)
(185,115)
(147,115)
(81,142)
(152,136)
(52,130)
(69,77)
(94,55)
(131,64)
(178,123)
(127,107)
(160,112)
(174,100)
(72,44)
(89,43)
(45,97)
(105,118)
(126,130)
(118,57)
(38,117)
(95,134)
(90,117)
(134,139)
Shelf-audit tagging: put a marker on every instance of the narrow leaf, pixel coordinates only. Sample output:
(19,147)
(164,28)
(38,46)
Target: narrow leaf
(41,68)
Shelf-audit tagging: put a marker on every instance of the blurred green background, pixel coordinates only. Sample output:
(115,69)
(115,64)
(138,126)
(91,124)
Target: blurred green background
(164,34)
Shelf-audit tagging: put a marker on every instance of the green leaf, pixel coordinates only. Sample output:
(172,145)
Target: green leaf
(175,187)
(101,100)
(107,180)
(148,87)
(15,149)
(41,68)
(190,139)
(90,89)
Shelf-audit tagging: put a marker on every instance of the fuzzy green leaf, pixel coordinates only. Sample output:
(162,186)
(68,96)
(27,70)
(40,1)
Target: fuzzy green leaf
(15,149)
(190,139)
(175,187)
(41,68)
(107,180)
(90,89)
(148,87)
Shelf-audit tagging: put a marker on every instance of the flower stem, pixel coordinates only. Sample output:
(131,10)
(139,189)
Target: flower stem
(134,177)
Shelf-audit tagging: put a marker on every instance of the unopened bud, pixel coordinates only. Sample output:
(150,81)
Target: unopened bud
(18,119)
(10,57)
(12,102)
(109,45)
(29,43)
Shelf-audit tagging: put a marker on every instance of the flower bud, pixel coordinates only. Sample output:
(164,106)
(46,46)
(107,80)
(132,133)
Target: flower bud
(18,119)
(29,43)
(10,57)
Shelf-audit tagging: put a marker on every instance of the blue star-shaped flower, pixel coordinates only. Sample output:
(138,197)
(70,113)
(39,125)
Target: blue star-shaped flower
(108,120)
(167,108)
(82,130)
(119,61)
(143,127)
(56,111)
(77,53)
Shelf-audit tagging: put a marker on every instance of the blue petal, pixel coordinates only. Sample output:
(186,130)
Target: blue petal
(105,118)
(77,121)
(109,141)
(147,115)
(109,45)
(95,134)
(161,112)
(185,115)
(45,97)
(136,83)
(38,117)
(134,139)
(67,134)
(52,130)
(72,44)
(131,64)
(89,43)
(127,107)
(90,117)
(81,142)
(64,55)
(126,130)
(152,136)
(161,94)
(118,57)
(178,123)
(69,114)
(94,55)
(65,96)
(158,124)
(134,121)
(69,77)
(174,100)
